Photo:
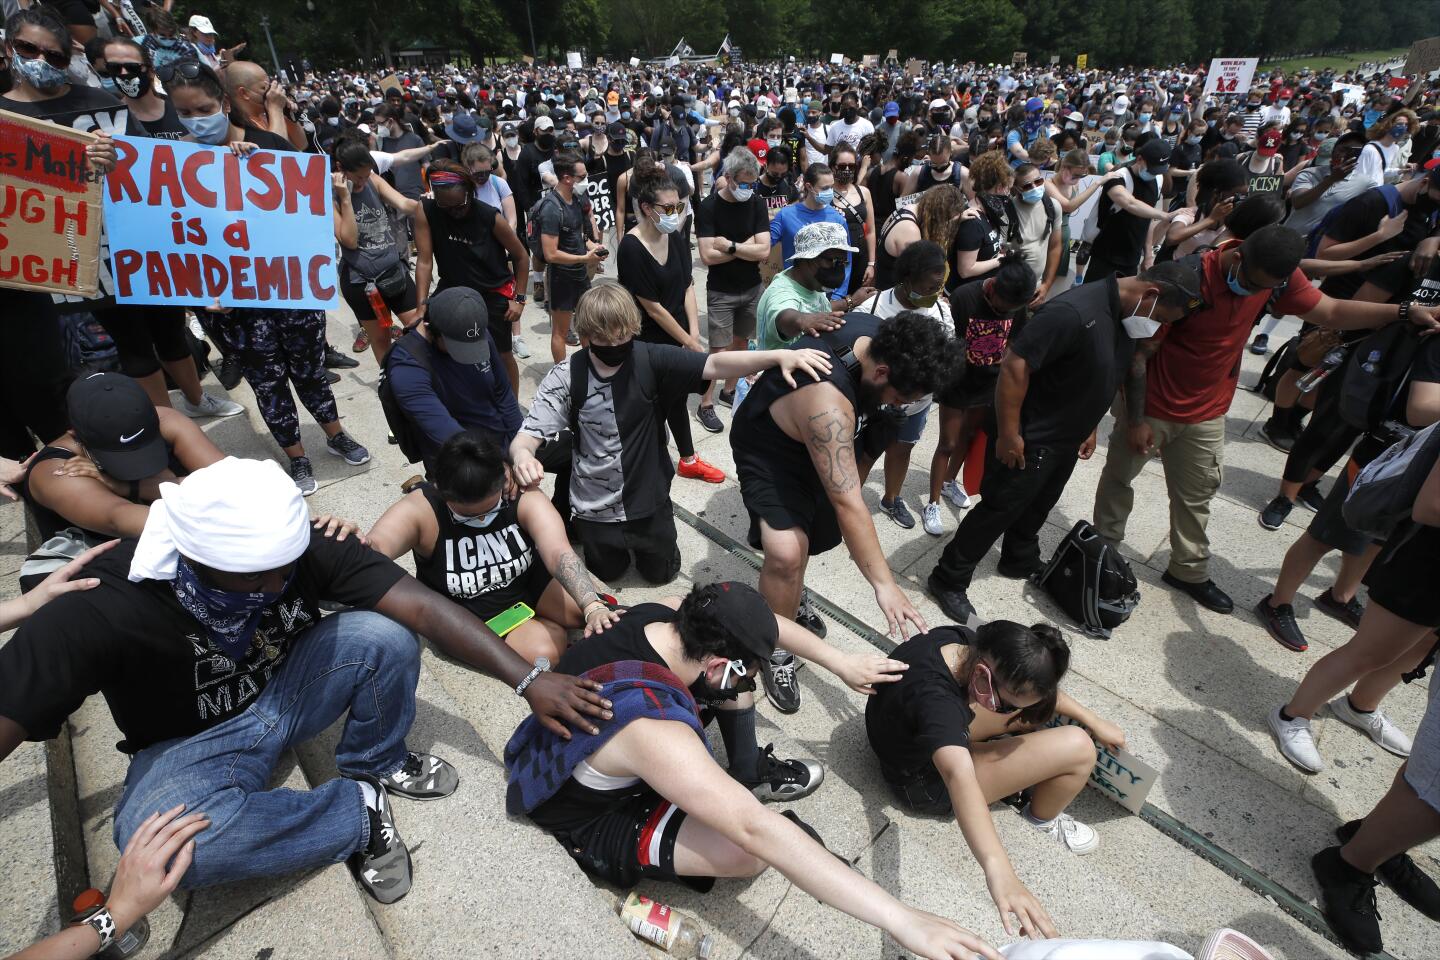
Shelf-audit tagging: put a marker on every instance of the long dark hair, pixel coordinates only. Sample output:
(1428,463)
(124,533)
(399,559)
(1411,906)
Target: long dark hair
(1029,659)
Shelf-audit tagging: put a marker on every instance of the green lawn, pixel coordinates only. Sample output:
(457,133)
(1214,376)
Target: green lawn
(1339,63)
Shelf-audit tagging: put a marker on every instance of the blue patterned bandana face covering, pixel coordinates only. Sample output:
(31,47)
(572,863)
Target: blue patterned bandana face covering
(230,619)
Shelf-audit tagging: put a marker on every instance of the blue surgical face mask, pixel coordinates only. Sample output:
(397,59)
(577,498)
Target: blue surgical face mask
(210,129)
(109,85)
(1400,131)
(479,522)
(1232,280)
(743,191)
(1033,195)
(825,197)
(1144,118)
(230,619)
(668,222)
(39,73)
(1145,175)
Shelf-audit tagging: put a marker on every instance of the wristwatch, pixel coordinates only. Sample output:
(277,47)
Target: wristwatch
(731,251)
(104,926)
(519,298)
(541,665)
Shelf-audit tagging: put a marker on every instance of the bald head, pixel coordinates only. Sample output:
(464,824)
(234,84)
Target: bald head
(246,83)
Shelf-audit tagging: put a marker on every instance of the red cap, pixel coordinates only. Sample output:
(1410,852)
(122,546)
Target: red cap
(1269,143)
(760,148)
(1286,93)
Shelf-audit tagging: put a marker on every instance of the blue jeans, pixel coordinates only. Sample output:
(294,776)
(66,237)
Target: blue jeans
(359,663)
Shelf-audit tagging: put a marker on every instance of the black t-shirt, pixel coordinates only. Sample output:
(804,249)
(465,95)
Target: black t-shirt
(979,235)
(161,677)
(927,709)
(466,251)
(718,217)
(266,140)
(1361,216)
(1078,353)
(780,194)
(623,641)
(1122,234)
(80,108)
(666,284)
(526,183)
(166,127)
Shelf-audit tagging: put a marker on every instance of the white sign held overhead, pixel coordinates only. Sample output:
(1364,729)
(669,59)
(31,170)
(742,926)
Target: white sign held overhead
(1230,76)
(837,58)
(572,60)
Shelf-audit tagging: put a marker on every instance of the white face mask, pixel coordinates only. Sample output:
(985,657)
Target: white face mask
(1141,327)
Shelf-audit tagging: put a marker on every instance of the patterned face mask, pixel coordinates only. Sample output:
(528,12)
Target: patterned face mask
(230,619)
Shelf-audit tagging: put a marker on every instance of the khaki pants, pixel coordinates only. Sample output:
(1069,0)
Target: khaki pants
(1192,455)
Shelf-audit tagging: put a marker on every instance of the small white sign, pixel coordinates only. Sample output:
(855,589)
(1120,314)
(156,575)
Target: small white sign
(1230,76)
(837,58)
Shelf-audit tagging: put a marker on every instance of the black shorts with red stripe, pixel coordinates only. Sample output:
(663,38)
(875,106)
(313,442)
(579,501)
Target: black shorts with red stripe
(634,839)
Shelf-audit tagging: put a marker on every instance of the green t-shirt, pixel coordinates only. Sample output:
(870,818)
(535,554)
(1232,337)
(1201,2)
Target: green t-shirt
(784,294)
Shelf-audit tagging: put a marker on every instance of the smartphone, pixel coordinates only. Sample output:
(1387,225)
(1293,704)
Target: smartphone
(507,620)
(602,252)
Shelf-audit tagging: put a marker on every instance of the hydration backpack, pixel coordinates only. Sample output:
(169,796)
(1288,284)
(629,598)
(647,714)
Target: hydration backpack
(1090,581)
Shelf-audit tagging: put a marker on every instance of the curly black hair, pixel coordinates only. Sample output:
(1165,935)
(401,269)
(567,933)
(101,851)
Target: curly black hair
(921,355)
(701,632)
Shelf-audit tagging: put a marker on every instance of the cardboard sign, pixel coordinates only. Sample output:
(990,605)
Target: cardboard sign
(1082,61)
(894,54)
(602,204)
(50,208)
(870,60)
(914,68)
(1230,76)
(1019,56)
(1119,774)
(837,58)
(389,83)
(572,60)
(1423,57)
(1054,59)
(192,224)
(529,61)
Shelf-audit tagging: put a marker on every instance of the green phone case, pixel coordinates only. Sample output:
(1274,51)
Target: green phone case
(507,620)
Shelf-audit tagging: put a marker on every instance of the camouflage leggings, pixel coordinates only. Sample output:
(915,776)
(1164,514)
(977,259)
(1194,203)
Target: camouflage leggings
(277,348)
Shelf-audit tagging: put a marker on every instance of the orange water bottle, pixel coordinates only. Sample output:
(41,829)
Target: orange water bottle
(377,304)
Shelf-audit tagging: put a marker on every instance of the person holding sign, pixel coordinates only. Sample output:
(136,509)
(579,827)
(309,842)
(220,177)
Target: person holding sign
(965,726)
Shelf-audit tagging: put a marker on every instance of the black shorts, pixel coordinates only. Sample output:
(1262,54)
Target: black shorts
(525,588)
(632,842)
(786,502)
(354,294)
(651,539)
(144,335)
(923,793)
(1403,580)
(1329,526)
(563,290)
(974,388)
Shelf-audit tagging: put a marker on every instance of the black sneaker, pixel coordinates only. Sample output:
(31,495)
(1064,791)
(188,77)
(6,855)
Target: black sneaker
(955,604)
(1400,874)
(1280,437)
(336,360)
(1019,571)
(1347,897)
(897,510)
(229,373)
(331,377)
(809,618)
(784,780)
(1310,497)
(726,398)
(345,447)
(1280,623)
(423,777)
(781,685)
(1260,345)
(708,418)
(1348,613)
(383,868)
(1275,513)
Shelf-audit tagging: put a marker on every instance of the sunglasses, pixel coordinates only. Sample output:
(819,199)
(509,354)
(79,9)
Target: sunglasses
(832,261)
(1037,182)
(124,71)
(669,208)
(847,167)
(29,51)
(186,69)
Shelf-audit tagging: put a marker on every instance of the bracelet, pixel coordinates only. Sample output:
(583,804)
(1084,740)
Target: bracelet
(104,926)
(1404,313)
(541,665)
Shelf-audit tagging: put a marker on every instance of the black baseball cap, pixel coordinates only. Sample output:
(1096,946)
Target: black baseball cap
(1156,154)
(116,421)
(617,131)
(459,315)
(746,616)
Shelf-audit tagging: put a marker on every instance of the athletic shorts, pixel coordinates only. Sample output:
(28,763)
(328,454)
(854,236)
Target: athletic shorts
(923,793)
(786,502)
(144,335)
(633,842)
(1422,771)
(1403,579)
(731,315)
(1329,526)
(359,301)
(562,291)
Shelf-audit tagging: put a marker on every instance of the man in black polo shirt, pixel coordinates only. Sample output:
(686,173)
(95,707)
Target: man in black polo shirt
(734,230)
(1129,210)
(1057,379)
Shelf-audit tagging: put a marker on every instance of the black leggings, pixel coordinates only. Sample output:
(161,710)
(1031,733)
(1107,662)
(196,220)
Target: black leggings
(1326,436)
(678,420)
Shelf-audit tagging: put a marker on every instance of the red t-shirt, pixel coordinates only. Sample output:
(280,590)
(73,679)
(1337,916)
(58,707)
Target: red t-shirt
(1192,377)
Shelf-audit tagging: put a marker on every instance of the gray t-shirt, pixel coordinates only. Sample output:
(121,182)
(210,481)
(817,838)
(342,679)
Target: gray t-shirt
(375,251)
(408,181)
(1305,219)
(565,222)
(597,477)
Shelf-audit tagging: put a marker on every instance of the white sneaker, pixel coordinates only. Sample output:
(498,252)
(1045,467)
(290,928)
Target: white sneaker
(520,348)
(930,518)
(1069,833)
(1375,724)
(955,493)
(1296,741)
(210,406)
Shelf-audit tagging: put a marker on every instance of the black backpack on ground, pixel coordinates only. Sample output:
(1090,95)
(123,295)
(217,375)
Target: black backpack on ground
(402,427)
(1275,367)
(1090,581)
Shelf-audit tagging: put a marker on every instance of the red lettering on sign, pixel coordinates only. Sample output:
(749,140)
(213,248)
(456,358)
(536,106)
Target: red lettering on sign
(233,198)
(185,271)
(121,178)
(164,178)
(257,167)
(318,289)
(126,263)
(240,287)
(270,275)
(32,206)
(47,159)
(65,271)
(311,181)
(190,175)
(80,216)
(156,275)
(216,277)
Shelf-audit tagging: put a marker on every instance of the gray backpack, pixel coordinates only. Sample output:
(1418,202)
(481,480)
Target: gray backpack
(1383,495)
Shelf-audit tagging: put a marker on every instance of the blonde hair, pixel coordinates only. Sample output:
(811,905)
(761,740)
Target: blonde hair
(1043,151)
(607,311)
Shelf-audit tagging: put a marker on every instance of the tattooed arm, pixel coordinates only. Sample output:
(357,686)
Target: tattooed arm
(542,522)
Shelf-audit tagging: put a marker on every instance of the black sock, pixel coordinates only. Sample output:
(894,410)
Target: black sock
(1285,716)
(1351,703)
(1293,416)
(737,729)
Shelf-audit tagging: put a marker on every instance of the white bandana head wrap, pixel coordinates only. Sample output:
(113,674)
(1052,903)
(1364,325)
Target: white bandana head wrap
(240,516)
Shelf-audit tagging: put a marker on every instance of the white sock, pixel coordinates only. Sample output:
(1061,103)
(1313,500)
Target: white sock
(1034,819)
(1271,322)
(368,794)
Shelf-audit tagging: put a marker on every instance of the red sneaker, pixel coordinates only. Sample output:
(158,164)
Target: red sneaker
(698,469)
(361,344)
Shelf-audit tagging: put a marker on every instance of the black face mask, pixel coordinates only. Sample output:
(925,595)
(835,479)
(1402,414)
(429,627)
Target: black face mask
(831,277)
(545,141)
(613,355)
(850,113)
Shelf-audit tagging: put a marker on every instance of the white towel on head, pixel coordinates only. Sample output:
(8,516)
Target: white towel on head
(240,516)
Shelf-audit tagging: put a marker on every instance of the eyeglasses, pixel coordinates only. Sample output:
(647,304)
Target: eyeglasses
(56,58)
(846,167)
(669,208)
(1037,182)
(186,69)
